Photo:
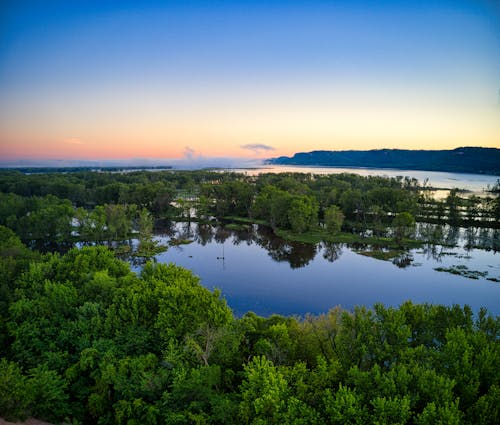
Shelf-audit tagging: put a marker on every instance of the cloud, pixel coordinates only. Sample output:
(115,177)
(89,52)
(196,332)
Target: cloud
(73,141)
(257,148)
(189,153)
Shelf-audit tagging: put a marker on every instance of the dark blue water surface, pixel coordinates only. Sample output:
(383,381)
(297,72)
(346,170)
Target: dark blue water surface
(257,271)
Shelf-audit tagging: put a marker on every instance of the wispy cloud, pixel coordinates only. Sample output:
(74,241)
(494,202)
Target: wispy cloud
(189,153)
(257,148)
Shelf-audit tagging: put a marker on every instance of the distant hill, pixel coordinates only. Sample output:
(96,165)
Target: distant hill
(460,160)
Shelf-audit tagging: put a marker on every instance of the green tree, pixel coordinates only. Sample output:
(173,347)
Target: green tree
(147,245)
(403,226)
(118,221)
(302,213)
(395,411)
(453,203)
(47,394)
(345,407)
(13,397)
(447,414)
(333,219)
(264,393)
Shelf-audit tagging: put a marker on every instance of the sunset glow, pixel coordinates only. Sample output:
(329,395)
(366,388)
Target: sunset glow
(116,80)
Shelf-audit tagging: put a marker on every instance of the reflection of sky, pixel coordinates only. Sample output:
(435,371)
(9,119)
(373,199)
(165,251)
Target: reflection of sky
(251,280)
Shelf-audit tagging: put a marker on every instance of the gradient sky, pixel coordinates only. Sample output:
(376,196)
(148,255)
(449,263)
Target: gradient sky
(109,79)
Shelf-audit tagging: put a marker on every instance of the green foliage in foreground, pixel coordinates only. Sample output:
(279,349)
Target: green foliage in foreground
(88,341)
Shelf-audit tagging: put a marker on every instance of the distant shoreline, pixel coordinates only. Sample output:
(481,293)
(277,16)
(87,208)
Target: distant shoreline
(359,167)
(58,169)
(467,160)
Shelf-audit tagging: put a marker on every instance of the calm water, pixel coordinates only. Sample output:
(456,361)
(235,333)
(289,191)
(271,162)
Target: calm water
(264,274)
(476,183)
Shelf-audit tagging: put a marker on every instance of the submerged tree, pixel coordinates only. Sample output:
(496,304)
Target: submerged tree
(147,245)
(404,226)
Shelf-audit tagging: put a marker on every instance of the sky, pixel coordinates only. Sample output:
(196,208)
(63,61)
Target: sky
(144,79)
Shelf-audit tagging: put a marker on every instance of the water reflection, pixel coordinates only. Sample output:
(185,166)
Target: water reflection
(469,238)
(204,234)
(331,251)
(258,271)
(402,261)
(295,253)
(298,255)
(444,240)
(452,236)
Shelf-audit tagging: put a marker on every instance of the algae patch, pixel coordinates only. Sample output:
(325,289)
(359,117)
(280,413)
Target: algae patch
(462,270)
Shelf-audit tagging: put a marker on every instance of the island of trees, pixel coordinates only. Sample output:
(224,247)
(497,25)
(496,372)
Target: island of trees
(83,339)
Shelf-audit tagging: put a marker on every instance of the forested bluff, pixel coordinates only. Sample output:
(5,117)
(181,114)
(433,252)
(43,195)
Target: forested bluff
(459,160)
(83,339)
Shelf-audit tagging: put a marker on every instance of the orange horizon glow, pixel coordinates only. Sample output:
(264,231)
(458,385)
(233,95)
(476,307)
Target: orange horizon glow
(222,133)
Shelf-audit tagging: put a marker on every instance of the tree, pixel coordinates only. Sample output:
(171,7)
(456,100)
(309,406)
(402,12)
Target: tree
(394,411)
(302,213)
(13,398)
(117,221)
(453,202)
(353,203)
(47,394)
(403,225)
(264,393)
(333,219)
(178,301)
(447,414)
(202,207)
(345,407)
(145,224)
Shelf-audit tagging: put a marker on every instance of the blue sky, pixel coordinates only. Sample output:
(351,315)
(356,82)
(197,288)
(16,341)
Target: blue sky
(119,73)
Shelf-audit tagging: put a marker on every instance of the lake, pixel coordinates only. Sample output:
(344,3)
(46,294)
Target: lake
(258,271)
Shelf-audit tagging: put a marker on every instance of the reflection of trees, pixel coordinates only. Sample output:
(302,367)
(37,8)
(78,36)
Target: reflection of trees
(470,238)
(297,254)
(331,251)
(431,232)
(435,252)
(496,240)
(164,228)
(489,239)
(221,234)
(403,261)
(245,235)
(186,230)
(482,238)
(204,234)
(452,235)
(207,233)
(137,261)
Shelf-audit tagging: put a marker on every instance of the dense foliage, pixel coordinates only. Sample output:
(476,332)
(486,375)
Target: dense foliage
(90,206)
(83,339)
(88,341)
